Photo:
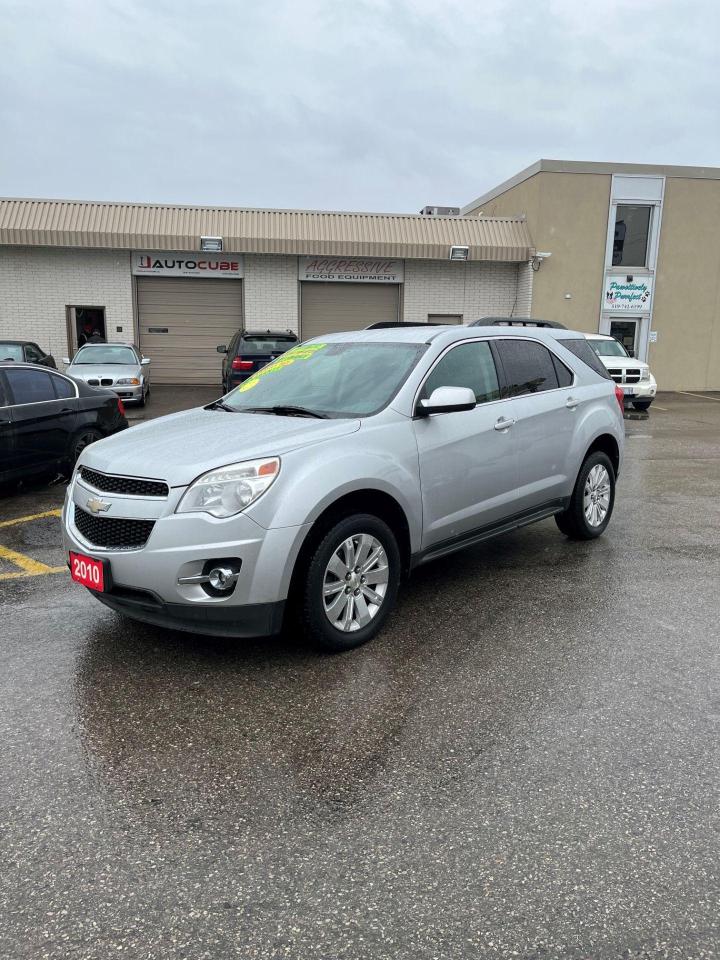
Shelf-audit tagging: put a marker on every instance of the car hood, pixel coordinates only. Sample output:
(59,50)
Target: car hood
(92,371)
(623,363)
(180,447)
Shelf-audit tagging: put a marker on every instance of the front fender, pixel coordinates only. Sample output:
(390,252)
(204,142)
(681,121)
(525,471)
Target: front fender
(380,457)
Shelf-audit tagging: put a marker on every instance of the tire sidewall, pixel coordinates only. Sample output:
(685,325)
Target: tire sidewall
(317,625)
(592,461)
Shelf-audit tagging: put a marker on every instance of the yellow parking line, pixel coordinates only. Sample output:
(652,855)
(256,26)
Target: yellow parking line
(28,567)
(33,516)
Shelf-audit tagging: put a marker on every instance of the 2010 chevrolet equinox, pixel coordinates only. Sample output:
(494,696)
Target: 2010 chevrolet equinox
(333,471)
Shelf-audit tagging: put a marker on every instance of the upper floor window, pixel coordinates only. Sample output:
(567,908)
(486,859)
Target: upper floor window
(632,230)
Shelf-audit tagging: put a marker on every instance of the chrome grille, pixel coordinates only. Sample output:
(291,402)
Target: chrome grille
(115,533)
(631,375)
(134,486)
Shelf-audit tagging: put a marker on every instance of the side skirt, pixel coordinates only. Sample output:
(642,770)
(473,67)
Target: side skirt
(476,536)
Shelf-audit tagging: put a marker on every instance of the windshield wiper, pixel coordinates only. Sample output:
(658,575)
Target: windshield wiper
(286,410)
(220,405)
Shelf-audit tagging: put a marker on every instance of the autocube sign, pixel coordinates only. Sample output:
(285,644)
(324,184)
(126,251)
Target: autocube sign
(352,269)
(187,265)
(625,294)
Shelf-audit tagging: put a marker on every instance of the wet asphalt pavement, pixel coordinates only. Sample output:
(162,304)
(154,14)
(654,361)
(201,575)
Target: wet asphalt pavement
(526,763)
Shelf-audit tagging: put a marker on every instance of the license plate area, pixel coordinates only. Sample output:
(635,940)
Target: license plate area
(91,573)
(628,391)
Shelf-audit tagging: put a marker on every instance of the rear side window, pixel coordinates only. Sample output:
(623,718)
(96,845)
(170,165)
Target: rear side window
(30,386)
(528,367)
(63,388)
(583,351)
(469,365)
(565,376)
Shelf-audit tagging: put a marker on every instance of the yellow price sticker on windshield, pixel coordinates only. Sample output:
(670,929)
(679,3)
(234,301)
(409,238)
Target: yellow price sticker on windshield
(286,360)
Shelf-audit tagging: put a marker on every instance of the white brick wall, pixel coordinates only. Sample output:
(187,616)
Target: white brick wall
(37,283)
(471,289)
(271,292)
(524,287)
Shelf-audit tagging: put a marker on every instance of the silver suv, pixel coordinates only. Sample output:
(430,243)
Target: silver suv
(320,482)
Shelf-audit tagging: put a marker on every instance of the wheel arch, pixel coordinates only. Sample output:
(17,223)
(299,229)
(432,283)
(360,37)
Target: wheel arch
(607,444)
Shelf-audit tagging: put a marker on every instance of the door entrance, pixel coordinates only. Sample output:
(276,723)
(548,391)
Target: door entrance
(85,325)
(630,331)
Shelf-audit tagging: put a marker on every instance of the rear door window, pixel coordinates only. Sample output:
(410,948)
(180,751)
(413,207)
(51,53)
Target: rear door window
(528,367)
(30,386)
(64,389)
(469,365)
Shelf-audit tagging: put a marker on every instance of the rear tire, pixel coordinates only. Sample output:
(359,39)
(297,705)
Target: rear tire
(351,583)
(83,438)
(592,500)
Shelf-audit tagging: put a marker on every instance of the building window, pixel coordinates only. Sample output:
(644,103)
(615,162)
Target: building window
(632,229)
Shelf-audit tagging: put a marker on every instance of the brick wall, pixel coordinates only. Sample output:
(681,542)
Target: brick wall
(37,283)
(525,274)
(271,292)
(471,289)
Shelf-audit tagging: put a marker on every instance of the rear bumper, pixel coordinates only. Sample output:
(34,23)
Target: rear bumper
(248,620)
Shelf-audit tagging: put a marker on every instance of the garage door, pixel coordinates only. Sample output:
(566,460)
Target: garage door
(181,324)
(332,307)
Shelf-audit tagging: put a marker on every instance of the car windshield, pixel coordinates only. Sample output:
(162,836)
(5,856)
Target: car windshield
(11,351)
(329,379)
(104,353)
(250,345)
(608,348)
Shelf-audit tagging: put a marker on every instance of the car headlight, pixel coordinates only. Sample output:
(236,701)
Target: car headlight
(131,380)
(229,490)
(645,375)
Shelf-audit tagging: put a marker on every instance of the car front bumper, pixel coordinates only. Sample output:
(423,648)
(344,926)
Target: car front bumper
(128,391)
(644,390)
(144,580)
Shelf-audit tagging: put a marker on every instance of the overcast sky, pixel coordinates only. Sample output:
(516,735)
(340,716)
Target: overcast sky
(329,104)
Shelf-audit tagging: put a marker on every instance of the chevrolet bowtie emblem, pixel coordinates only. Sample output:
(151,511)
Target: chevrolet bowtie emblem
(96,505)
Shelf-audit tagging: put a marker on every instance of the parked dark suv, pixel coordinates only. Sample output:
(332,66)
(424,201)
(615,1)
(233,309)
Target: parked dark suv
(249,350)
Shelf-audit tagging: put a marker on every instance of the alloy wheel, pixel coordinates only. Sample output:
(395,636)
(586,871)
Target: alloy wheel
(355,582)
(596,495)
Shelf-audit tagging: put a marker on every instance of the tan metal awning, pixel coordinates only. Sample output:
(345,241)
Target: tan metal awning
(135,226)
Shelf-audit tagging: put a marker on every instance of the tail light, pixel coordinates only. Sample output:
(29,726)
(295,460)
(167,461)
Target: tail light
(239,364)
(620,397)
(121,407)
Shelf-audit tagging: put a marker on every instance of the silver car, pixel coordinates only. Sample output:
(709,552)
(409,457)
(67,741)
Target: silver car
(317,485)
(119,366)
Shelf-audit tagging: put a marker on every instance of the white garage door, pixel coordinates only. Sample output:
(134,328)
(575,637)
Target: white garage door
(332,307)
(182,321)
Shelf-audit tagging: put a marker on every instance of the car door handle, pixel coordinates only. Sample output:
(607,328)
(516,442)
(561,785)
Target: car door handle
(571,403)
(504,423)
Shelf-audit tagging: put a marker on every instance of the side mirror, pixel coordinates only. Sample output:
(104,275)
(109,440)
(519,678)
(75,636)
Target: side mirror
(447,400)
(66,360)
(145,361)
(222,348)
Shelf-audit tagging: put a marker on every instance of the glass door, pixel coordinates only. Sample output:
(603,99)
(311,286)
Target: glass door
(630,331)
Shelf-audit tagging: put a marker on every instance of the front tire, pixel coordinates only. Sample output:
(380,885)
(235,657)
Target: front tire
(351,583)
(642,404)
(592,500)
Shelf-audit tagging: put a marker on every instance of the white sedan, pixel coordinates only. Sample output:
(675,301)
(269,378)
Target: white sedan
(638,384)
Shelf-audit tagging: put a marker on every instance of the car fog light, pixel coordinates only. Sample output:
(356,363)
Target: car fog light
(222,578)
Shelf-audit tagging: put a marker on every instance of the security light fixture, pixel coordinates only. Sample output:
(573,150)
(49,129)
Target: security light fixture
(211,244)
(459,253)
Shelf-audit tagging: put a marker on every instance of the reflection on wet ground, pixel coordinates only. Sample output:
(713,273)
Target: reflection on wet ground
(525,762)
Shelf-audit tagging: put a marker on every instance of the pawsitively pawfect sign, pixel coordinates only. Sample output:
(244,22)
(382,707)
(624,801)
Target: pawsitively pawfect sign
(624,295)
(187,265)
(352,269)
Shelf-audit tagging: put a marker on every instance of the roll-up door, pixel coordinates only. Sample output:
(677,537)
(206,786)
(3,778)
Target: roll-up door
(182,321)
(333,307)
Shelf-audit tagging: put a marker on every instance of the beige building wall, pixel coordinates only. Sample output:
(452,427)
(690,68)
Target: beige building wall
(686,311)
(567,216)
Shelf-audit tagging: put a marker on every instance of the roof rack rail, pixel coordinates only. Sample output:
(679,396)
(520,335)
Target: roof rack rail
(516,322)
(386,324)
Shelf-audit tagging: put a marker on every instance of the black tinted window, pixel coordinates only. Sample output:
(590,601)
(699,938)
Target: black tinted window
(632,228)
(264,345)
(33,352)
(470,365)
(30,386)
(565,376)
(528,367)
(63,387)
(583,351)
